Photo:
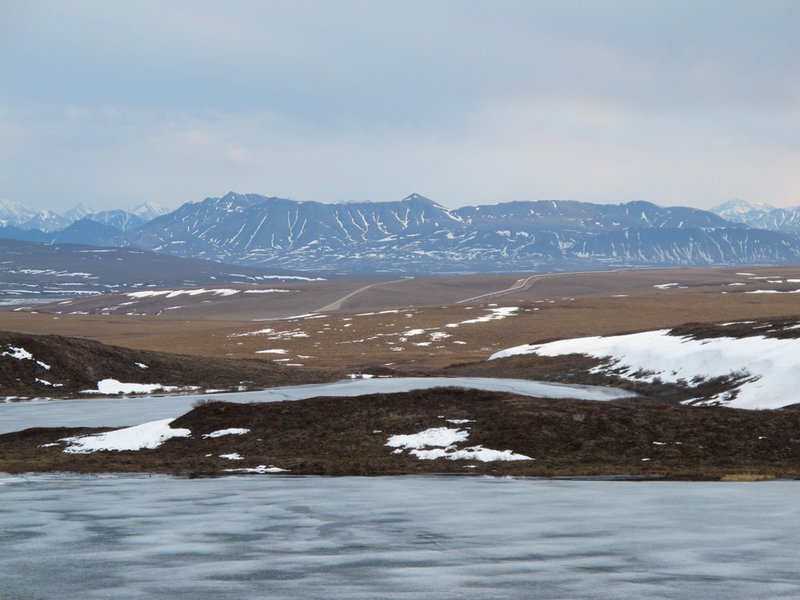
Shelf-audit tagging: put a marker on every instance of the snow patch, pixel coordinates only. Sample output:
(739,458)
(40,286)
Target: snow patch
(495,314)
(232,456)
(259,469)
(230,431)
(147,435)
(442,441)
(768,368)
(22,354)
(113,386)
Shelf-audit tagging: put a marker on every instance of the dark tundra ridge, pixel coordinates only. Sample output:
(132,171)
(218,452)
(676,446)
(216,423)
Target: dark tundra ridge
(348,436)
(62,367)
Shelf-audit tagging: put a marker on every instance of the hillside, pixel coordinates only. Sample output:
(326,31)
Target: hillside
(57,366)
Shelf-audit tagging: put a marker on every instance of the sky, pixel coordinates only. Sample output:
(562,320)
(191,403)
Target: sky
(115,103)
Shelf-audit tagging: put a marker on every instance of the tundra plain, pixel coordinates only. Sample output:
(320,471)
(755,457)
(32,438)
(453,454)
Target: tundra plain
(411,325)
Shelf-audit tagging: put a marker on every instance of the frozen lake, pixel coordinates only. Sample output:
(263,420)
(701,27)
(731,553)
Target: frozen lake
(126,537)
(133,410)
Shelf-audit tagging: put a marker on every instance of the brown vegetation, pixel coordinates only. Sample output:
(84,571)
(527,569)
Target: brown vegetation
(63,366)
(551,307)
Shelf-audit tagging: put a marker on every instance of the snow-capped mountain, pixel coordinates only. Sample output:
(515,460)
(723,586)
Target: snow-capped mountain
(417,235)
(16,218)
(149,211)
(118,219)
(761,216)
(14,213)
(740,211)
(77,213)
(46,221)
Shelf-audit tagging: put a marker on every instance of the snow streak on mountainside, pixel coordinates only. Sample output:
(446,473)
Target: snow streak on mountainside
(420,236)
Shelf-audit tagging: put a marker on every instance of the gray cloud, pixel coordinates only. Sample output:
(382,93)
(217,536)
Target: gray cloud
(466,102)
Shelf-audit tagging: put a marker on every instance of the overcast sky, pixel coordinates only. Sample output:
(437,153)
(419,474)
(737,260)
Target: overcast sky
(114,103)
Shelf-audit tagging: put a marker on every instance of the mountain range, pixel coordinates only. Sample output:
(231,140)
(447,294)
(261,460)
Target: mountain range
(14,214)
(418,236)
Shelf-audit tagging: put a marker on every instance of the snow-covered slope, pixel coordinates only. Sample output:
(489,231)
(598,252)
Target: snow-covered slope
(14,213)
(740,211)
(77,213)
(46,221)
(149,211)
(766,368)
(761,216)
(119,219)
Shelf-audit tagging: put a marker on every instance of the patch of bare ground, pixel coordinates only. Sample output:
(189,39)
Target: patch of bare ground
(347,436)
(64,366)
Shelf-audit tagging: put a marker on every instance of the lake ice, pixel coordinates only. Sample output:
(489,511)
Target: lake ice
(129,537)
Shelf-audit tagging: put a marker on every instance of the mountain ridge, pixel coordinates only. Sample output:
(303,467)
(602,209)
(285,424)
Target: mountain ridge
(418,236)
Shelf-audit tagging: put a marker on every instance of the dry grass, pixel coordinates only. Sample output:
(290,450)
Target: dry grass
(746,477)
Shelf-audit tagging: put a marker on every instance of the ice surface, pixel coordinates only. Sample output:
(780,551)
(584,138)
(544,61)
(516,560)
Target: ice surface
(404,538)
(146,435)
(232,456)
(772,366)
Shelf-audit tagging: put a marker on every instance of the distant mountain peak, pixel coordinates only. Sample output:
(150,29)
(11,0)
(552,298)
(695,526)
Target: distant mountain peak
(77,212)
(739,206)
(14,213)
(46,221)
(420,198)
(149,211)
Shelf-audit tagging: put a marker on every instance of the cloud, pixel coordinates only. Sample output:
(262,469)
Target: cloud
(466,102)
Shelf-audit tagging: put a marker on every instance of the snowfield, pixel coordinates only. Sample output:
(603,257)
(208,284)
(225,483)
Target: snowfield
(769,367)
